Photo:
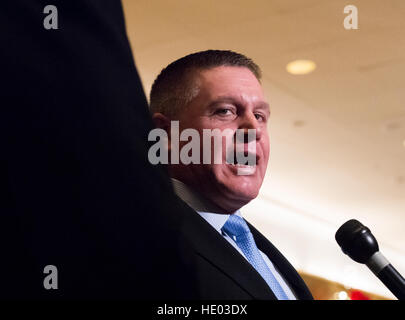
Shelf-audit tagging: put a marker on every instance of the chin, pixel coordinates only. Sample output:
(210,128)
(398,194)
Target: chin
(234,191)
(245,186)
(238,195)
(245,196)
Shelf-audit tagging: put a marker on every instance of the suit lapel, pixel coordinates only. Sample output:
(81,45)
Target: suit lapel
(288,272)
(211,246)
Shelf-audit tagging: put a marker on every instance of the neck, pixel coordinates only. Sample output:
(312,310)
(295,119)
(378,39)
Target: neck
(195,200)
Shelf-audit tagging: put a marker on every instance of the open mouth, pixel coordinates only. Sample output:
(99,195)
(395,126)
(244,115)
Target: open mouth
(242,159)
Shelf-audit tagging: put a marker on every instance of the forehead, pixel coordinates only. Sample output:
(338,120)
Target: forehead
(237,82)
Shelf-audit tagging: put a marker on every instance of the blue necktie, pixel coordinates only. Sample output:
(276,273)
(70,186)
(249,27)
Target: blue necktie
(237,228)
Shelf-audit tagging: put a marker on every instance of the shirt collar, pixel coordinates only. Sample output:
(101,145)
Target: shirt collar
(203,206)
(216,220)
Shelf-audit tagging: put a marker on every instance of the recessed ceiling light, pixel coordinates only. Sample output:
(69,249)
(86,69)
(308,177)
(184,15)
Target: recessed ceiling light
(299,123)
(301,66)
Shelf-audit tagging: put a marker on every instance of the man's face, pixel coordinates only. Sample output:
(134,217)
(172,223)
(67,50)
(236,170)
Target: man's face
(228,98)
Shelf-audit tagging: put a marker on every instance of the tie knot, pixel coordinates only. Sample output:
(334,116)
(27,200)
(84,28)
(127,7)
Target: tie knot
(236,226)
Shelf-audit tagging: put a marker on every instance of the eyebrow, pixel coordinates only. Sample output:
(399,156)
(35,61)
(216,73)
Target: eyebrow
(264,106)
(260,105)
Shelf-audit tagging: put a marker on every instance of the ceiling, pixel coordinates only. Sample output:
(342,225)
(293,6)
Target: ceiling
(337,134)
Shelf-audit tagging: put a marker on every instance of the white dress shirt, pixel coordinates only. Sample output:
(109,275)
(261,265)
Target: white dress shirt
(209,212)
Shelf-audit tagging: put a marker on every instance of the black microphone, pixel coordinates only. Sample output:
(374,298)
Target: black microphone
(359,244)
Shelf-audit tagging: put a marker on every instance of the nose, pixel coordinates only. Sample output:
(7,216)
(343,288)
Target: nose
(249,121)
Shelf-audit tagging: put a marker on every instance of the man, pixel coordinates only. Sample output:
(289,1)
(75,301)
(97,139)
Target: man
(221,90)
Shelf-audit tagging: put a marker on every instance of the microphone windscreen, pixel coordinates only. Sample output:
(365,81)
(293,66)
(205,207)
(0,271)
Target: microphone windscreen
(356,240)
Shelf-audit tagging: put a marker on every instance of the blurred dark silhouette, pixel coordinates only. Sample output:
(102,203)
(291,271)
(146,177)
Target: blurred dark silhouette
(77,190)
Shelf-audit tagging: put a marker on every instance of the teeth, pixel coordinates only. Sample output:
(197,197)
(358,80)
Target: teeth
(246,170)
(246,159)
(241,165)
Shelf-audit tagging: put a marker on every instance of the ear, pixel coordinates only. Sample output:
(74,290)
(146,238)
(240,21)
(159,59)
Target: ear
(161,121)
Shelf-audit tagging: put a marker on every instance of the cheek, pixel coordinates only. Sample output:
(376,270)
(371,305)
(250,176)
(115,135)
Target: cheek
(266,154)
(266,147)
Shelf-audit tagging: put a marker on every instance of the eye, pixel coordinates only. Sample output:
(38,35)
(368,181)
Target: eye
(260,117)
(224,112)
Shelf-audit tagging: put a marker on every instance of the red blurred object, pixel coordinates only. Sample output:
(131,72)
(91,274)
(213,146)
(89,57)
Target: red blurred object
(357,295)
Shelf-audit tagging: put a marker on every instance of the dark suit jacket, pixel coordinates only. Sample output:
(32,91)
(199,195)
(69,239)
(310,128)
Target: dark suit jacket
(222,273)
